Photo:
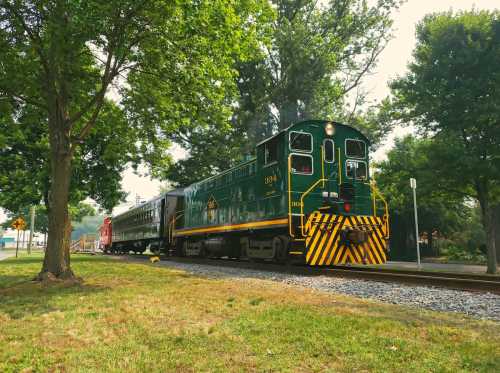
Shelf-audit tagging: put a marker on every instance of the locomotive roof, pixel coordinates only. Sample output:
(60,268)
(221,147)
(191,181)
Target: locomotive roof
(179,192)
(314,121)
(175,192)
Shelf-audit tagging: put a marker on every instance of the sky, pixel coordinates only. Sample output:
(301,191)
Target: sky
(392,62)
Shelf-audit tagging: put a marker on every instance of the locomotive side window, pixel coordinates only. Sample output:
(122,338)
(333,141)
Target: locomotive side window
(329,154)
(356,170)
(271,151)
(300,141)
(355,148)
(302,164)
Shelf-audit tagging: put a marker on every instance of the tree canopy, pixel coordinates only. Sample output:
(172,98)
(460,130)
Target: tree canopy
(440,210)
(96,171)
(171,62)
(310,62)
(451,94)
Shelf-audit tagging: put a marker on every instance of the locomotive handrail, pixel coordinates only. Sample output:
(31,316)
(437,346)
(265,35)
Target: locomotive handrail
(290,196)
(376,193)
(302,197)
(302,203)
(340,168)
(171,225)
(323,164)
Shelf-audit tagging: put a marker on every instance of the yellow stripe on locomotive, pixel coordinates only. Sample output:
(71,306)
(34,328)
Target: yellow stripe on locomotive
(339,239)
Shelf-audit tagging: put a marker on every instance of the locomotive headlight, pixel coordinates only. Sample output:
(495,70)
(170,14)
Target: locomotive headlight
(329,129)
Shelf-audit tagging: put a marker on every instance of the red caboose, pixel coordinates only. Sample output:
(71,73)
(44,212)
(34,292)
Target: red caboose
(105,235)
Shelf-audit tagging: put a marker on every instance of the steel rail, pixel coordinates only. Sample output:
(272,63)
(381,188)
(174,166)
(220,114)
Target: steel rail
(456,281)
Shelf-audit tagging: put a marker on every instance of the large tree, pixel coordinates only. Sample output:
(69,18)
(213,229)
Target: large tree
(439,209)
(59,60)
(96,168)
(452,93)
(310,64)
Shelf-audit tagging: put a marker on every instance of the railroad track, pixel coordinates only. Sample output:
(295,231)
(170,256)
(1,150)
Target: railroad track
(458,281)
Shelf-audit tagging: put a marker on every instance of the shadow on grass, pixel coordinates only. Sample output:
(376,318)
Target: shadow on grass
(27,298)
(38,259)
(20,296)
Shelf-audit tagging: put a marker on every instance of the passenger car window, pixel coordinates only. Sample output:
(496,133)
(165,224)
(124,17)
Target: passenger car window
(329,154)
(301,141)
(271,151)
(302,164)
(356,170)
(355,148)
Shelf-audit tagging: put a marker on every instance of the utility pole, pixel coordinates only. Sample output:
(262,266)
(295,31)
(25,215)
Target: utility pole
(17,243)
(32,227)
(413,185)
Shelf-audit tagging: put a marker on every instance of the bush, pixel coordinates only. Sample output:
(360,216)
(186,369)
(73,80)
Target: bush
(457,253)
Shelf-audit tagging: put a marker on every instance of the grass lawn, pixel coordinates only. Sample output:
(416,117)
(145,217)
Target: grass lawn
(142,318)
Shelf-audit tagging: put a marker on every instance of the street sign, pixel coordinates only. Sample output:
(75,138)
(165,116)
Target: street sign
(19,224)
(413,183)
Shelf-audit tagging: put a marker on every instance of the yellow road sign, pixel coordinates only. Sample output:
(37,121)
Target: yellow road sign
(19,224)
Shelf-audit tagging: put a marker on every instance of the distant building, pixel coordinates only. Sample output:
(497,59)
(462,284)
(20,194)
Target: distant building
(9,239)
(7,242)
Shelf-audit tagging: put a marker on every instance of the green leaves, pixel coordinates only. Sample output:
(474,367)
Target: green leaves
(451,93)
(175,65)
(301,61)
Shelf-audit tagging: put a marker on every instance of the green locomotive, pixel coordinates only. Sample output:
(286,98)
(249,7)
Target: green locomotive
(306,196)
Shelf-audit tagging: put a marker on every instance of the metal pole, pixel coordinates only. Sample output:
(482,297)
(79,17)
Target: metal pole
(17,243)
(32,228)
(413,184)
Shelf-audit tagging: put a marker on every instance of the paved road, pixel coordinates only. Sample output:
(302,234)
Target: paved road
(6,254)
(439,267)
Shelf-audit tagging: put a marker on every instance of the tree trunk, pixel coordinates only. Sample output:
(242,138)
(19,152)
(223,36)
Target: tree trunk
(56,262)
(288,114)
(488,218)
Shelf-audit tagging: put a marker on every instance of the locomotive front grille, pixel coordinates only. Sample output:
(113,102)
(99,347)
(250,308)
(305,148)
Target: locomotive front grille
(337,239)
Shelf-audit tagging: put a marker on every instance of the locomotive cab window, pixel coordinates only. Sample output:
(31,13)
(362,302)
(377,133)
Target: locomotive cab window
(356,170)
(271,151)
(302,164)
(355,148)
(328,148)
(300,141)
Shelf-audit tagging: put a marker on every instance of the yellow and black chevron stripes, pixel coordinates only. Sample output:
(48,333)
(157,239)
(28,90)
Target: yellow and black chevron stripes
(324,245)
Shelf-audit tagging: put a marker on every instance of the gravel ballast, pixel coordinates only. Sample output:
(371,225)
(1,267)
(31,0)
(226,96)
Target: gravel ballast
(478,305)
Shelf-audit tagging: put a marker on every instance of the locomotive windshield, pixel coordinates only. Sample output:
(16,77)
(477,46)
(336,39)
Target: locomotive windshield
(355,148)
(301,164)
(301,142)
(356,170)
